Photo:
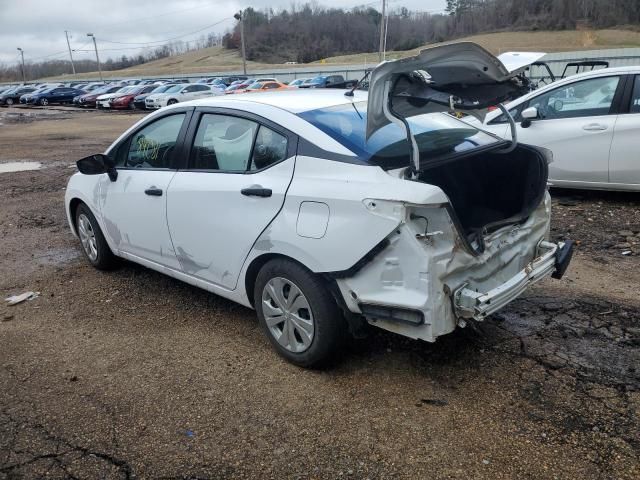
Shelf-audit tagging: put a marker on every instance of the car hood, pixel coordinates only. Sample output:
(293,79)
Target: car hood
(107,96)
(459,76)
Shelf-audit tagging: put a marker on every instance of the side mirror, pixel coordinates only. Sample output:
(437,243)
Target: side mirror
(528,114)
(98,164)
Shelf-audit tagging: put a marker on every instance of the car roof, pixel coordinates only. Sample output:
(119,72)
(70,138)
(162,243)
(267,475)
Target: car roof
(294,100)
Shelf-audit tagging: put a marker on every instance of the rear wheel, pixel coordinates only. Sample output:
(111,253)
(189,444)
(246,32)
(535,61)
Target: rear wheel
(93,242)
(298,313)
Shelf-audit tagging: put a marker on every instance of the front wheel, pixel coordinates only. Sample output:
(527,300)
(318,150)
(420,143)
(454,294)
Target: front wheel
(93,242)
(44,102)
(298,313)
(172,102)
(9,101)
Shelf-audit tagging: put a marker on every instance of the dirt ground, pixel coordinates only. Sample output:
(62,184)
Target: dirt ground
(132,374)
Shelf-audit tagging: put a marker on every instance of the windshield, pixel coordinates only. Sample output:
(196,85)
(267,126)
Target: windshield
(255,86)
(318,80)
(438,135)
(174,88)
(161,88)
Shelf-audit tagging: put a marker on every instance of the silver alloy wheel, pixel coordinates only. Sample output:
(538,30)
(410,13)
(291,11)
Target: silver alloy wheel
(87,237)
(44,102)
(288,314)
(9,101)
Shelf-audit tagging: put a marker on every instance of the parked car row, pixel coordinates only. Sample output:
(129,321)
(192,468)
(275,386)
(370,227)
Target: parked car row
(152,94)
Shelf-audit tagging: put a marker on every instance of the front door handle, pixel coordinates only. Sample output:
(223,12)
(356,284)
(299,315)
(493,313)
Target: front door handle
(154,191)
(256,192)
(594,127)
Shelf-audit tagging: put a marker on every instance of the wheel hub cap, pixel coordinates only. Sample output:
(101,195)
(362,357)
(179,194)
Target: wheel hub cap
(288,315)
(87,237)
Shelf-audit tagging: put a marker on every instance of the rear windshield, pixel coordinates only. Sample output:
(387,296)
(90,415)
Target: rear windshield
(438,135)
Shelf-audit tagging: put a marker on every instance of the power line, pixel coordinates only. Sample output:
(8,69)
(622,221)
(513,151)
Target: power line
(168,39)
(136,20)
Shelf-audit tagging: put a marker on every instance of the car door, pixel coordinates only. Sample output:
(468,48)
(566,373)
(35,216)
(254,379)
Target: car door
(134,206)
(624,164)
(201,91)
(239,171)
(576,123)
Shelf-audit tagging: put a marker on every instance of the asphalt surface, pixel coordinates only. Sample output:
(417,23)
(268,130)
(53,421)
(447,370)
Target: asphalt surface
(132,374)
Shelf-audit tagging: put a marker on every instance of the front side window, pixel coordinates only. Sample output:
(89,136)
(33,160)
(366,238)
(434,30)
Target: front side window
(223,143)
(153,146)
(585,98)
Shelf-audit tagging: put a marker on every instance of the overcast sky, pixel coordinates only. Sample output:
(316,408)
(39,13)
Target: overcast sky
(37,26)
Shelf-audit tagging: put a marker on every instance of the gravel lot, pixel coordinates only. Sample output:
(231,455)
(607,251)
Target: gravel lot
(132,374)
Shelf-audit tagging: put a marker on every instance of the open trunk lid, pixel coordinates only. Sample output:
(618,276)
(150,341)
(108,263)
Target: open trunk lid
(459,76)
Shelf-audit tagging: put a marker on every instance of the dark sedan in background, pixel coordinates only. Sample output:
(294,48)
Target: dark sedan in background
(12,95)
(55,95)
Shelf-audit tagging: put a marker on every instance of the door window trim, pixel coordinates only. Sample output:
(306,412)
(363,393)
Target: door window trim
(292,138)
(625,102)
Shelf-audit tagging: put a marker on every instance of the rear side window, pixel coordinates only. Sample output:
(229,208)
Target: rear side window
(270,148)
(153,146)
(223,143)
(635,97)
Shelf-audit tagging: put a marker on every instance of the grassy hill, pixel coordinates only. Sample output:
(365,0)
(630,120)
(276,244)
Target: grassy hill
(218,59)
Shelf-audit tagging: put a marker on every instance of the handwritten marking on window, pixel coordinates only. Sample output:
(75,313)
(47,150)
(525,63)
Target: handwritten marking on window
(148,148)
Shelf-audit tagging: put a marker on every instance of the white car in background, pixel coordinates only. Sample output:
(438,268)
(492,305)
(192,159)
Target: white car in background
(103,100)
(591,123)
(326,210)
(180,93)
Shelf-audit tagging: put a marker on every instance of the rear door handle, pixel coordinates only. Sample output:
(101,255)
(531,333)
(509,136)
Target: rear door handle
(591,127)
(154,191)
(256,192)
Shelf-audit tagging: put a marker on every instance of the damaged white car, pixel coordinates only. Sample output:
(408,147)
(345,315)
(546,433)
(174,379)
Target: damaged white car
(326,210)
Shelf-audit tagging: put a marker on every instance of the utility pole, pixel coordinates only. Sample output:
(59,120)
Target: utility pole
(240,16)
(73,67)
(22,55)
(95,46)
(384,46)
(382,30)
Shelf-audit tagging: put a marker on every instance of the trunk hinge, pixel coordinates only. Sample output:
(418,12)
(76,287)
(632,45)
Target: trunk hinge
(393,116)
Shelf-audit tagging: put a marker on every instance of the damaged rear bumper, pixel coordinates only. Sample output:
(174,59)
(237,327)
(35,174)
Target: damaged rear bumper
(553,259)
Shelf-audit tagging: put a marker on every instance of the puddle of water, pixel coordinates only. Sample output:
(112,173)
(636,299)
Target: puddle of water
(57,256)
(19,166)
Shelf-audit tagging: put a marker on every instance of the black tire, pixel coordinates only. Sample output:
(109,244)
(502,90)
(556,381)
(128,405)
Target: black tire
(329,326)
(105,259)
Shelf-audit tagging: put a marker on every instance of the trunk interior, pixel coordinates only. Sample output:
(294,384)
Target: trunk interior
(489,189)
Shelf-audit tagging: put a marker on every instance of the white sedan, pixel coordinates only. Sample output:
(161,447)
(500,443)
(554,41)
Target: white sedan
(103,100)
(323,212)
(591,123)
(180,93)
